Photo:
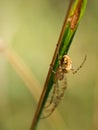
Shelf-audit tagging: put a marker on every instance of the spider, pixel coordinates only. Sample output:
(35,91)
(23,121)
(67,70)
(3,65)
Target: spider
(65,66)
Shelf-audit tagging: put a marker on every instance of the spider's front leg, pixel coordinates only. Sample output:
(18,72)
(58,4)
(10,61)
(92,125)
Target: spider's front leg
(75,71)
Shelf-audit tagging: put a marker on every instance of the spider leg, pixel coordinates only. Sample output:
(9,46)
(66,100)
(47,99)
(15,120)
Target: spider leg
(57,99)
(51,97)
(53,102)
(50,111)
(59,61)
(50,107)
(63,87)
(75,71)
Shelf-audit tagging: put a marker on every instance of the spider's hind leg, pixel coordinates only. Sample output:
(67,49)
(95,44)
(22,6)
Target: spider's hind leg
(51,105)
(52,96)
(75,71)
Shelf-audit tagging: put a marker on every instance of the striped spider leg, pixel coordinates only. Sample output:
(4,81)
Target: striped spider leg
(65,65)
(75,71)
(51,97)
(55,101)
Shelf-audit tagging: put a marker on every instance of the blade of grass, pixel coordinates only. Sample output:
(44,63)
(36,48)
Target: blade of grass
(75,12)
(23,72)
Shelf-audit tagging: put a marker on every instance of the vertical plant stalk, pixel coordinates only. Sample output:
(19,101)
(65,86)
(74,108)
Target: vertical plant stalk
(68,30)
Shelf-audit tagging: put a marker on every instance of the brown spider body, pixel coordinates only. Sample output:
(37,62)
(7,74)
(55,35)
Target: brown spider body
(65,65)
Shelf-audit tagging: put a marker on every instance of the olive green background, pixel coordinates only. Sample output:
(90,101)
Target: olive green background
(31,28)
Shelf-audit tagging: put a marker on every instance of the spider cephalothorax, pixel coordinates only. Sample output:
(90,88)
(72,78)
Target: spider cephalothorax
(65,65)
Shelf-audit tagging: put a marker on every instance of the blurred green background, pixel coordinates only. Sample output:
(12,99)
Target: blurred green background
(31,28)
